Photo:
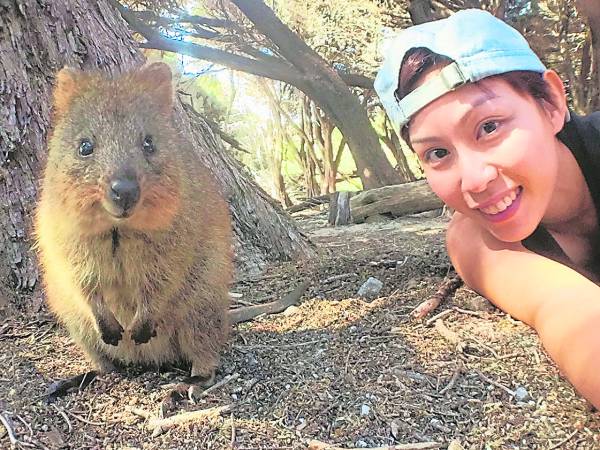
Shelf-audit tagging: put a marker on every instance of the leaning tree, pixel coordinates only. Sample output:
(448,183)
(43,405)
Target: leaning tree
(269,48)
(37,38)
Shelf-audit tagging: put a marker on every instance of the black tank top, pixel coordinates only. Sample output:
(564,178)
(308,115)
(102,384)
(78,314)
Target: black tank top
(582,136)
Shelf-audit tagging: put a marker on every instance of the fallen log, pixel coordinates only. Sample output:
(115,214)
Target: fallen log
(397,200)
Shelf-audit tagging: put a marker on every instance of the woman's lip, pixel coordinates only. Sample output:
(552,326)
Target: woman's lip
(495,199)
(508,212)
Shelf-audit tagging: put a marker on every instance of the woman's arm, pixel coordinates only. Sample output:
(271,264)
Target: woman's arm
(559,303)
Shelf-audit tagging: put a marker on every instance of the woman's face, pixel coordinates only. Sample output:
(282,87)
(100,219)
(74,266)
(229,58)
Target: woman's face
(491,153)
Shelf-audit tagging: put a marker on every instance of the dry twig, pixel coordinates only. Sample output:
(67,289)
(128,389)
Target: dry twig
(441,315)
(64,416)
(495,383)
(250,312)
(564,441)
(318,445)
(12,437)
(159,426)
(455,376)
(448,288)
(469,312)
(81,419)
(216,386)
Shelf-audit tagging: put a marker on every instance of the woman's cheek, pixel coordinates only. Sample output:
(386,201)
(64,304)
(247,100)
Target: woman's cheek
(447,188)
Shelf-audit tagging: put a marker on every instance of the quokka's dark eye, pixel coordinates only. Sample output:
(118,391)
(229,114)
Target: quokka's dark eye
(148,145)
(86,147)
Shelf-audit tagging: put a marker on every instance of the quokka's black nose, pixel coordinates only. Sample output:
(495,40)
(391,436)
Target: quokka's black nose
(124,193)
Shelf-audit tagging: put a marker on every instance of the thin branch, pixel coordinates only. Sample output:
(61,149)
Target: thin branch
(214,126)
(338,155)
(160,426)
(250,312)
(268,66)
(9,429)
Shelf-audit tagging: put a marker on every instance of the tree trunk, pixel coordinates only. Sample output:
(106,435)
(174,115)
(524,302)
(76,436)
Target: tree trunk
(392,141)
(279,141)
(590,9)
(326,130)
(326,87)
(421,11)
(38,38)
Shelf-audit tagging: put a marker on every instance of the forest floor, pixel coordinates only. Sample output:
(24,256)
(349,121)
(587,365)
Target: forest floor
(342,370)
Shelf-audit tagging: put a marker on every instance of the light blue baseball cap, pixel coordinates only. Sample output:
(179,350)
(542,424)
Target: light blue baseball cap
(479,44)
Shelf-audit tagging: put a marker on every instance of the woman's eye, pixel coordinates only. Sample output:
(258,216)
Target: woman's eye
(489,127)
(86,147)
(436,155)
(148,145)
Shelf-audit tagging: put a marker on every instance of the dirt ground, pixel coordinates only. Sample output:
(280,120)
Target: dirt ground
(346,371)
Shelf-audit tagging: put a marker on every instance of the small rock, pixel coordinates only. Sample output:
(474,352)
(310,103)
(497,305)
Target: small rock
(478,303)
(370,288)
(302,424)
(365,410)
(521,394)
(361,444)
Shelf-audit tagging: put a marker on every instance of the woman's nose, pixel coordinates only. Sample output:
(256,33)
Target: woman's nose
(477,173)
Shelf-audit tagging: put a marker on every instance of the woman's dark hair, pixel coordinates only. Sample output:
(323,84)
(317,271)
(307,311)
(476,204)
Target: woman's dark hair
(419,60)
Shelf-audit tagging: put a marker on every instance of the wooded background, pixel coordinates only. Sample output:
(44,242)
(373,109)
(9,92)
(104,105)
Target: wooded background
(286,85)
(308,121)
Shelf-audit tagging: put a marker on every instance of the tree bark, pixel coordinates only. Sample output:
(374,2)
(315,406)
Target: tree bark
(590,9)
(421,11)
(38,38)
(392,141)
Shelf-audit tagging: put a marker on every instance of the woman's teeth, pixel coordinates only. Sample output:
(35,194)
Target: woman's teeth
(501,205)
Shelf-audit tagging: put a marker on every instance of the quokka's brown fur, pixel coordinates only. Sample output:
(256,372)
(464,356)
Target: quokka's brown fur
(147,285)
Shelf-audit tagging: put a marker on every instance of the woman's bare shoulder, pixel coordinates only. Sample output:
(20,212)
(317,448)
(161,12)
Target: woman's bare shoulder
(469,243)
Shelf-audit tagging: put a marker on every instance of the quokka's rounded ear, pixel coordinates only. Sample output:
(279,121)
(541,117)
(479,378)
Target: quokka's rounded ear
(67,84)
(158,79)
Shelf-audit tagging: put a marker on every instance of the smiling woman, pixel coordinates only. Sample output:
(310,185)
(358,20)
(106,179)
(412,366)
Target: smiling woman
(498,144)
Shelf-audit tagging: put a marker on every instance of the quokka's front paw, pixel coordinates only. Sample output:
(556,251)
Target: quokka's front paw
(142,332)
(111,331)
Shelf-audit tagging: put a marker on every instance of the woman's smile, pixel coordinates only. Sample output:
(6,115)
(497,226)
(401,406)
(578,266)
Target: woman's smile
(505,208)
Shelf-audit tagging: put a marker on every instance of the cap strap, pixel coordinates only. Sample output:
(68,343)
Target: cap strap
(449,78)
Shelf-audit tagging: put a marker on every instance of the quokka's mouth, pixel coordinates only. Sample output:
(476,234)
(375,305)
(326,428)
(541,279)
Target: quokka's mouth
(115,212)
